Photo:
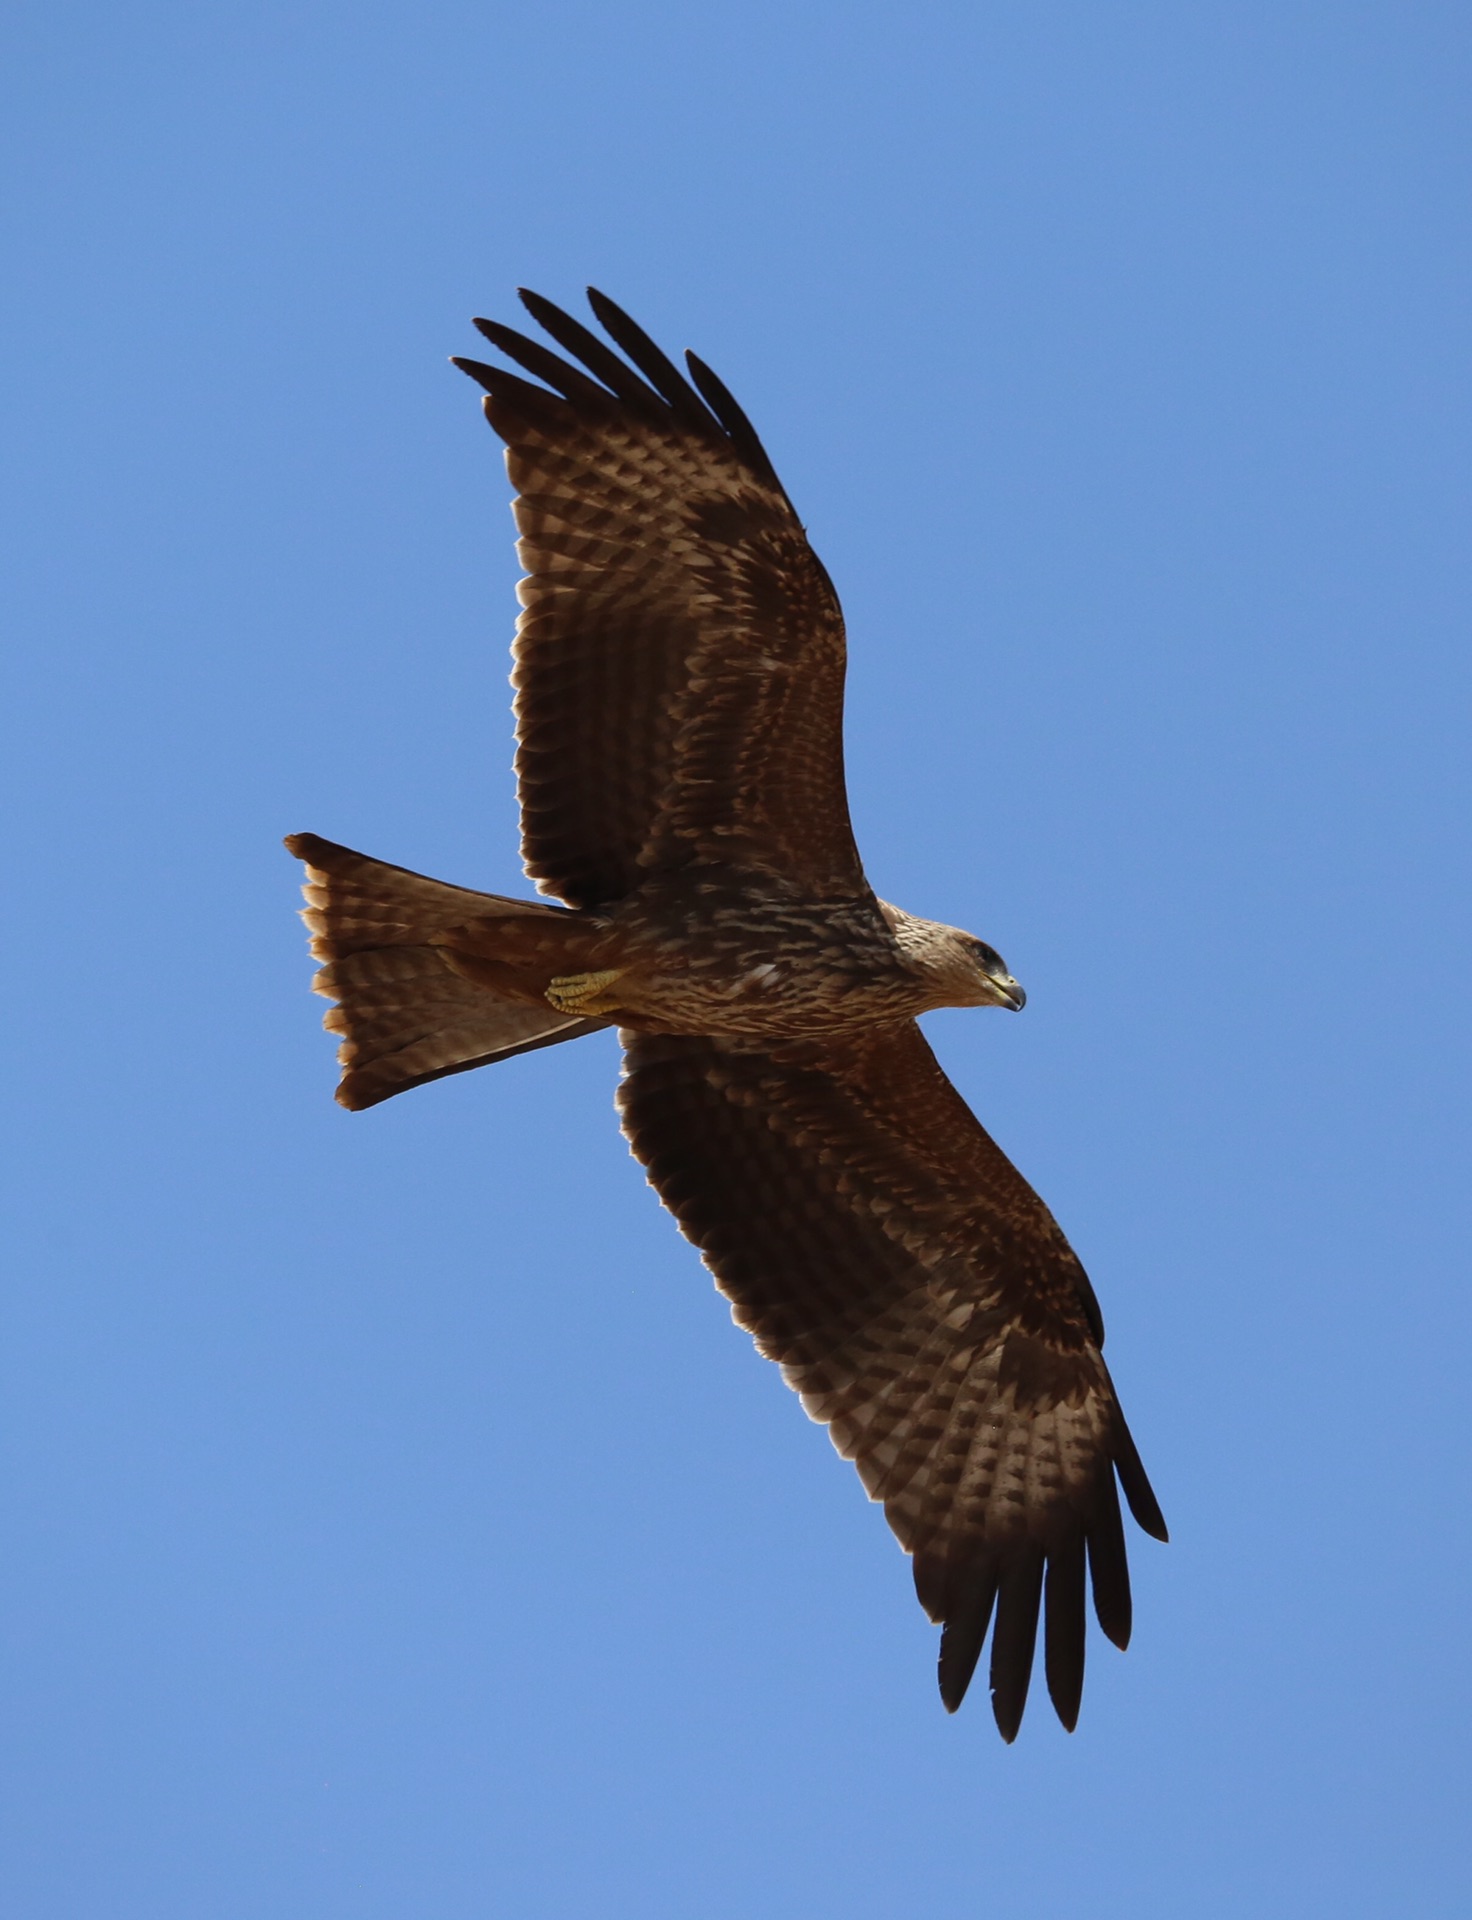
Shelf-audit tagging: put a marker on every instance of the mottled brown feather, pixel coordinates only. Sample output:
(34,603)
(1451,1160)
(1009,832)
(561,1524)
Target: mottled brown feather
(680,657)
(922,1300)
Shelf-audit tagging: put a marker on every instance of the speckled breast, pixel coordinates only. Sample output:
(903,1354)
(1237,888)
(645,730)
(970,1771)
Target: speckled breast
(739,954)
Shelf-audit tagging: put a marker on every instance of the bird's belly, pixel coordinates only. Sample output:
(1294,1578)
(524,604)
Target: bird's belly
(782,975)
(768,1007)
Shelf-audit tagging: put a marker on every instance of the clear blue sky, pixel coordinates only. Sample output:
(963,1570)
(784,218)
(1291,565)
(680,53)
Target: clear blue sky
(395,1524)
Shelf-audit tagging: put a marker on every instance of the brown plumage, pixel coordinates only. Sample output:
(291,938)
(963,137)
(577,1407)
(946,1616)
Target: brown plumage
(679,676)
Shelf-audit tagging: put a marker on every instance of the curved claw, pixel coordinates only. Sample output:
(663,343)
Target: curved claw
(578,992)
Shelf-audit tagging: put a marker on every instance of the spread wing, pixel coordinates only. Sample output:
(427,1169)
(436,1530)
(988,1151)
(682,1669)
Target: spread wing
(924,1303)
(680,656)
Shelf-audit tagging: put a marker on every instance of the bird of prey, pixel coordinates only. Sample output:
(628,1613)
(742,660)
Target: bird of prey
(679,666)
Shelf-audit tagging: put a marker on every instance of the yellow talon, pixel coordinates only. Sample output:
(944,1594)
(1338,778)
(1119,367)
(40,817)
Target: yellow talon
(578,992)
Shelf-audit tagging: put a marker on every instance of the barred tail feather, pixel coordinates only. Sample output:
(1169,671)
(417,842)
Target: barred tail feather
(406,1013)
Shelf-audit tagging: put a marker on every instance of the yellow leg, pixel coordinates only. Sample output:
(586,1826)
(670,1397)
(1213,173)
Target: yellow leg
(579,992)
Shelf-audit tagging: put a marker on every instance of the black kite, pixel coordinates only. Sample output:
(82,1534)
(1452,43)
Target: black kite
(679,676)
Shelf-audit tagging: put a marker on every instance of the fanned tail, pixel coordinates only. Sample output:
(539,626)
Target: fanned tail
(409,1007)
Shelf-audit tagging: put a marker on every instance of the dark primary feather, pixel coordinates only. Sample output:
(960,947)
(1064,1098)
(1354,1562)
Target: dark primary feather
(923,1302)
(533,403)
(718,398)
(1063,1637)
(595,354)
(966,1613)
(1014,1637)
(1137,1489)
(1109,1570)
(657,368)
(571,382)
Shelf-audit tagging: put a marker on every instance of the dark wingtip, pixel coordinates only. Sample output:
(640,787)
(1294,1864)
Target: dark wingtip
(1109,1571)
(1136,1483)
(585,347)
(1014,1639)
(723,404)
(652,361)
(1065,1629)
(475,370)
(959,1653)
(967,1608)
(560,375)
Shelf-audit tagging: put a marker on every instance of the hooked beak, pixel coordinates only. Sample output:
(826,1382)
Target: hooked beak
(1009,994)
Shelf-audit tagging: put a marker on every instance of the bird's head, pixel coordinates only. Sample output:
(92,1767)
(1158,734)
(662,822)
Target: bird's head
(961,970)
(983,972)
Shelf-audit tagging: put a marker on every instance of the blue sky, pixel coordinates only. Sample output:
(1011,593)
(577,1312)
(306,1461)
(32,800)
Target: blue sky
(395,1523)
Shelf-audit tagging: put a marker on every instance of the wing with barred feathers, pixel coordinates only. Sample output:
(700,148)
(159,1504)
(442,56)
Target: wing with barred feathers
(924,1303)
(680,656)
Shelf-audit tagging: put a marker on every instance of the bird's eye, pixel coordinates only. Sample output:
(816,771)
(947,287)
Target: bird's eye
(988,958)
